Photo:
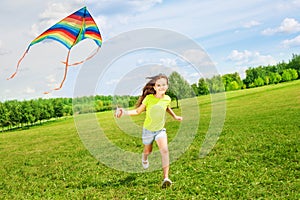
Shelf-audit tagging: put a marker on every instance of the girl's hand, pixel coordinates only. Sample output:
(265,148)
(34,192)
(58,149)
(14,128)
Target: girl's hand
(119,112)
(178,118)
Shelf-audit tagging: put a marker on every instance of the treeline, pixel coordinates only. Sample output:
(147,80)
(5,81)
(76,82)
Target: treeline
(255,77)
(101,103)
(18,114)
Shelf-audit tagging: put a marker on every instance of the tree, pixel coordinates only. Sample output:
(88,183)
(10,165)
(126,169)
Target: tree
(3,116)
(27,113)
(275,78)
(195,89)
(215,84)
(259,82)
(202,87)
(286,75)
(68,111)
(250,77)
(267,80)
(36,110)
(294,74)
(280,67)
(232,81)
(58,107)
(179,86)
(46,109)
(14,112)
(294,63)
(173,96)
(233,85)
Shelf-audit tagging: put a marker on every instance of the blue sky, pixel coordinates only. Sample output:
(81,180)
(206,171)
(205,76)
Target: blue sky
(235,35)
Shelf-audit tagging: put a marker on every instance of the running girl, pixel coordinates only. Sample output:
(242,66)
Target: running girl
(155,102)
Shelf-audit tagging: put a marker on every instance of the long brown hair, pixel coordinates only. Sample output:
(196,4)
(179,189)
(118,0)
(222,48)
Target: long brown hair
(149,87)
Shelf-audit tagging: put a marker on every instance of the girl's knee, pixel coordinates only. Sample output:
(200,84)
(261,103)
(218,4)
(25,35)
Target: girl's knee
(164,151)
(147,152)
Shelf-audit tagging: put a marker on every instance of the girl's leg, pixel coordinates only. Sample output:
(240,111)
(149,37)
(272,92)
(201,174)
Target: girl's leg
(147,151)
(162,144)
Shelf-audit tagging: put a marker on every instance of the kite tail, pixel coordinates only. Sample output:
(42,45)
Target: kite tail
(80,62)
(65,74)
(19,62)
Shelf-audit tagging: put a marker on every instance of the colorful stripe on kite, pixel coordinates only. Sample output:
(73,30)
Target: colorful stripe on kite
(72,29)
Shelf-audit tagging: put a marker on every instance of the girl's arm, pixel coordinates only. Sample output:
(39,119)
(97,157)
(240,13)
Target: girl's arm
(136,111)
(171,112)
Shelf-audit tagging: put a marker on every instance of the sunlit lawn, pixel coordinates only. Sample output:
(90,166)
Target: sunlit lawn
(256,157)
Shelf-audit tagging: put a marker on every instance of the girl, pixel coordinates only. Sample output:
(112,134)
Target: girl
(155,102)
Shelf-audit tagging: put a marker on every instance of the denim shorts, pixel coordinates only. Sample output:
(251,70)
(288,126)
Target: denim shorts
(149,136)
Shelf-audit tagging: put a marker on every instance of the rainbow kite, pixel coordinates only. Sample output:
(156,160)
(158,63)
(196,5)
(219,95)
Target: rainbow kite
(70,31)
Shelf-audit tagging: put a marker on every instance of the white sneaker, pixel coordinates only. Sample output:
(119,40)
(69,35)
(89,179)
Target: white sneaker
(166,183)
(145,163)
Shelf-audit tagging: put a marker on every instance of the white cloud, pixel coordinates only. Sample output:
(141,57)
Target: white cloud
(120,7)
(198,57)
(29,90)
(112,81)
(269,31)
(144,5)
(288,25)
(51,15)
(55,11)
(51,79)
(102,22)
(249,58)
(292,42)
(251,23)
(239,56)
(295,4)
(2,50)
(168,62)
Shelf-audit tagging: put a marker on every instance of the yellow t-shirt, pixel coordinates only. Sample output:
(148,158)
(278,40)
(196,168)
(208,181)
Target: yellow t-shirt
(155,112)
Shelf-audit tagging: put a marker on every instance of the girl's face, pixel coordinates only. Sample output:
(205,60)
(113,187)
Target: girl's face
(161,86)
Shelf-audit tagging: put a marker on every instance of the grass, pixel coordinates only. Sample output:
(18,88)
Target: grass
(257,155)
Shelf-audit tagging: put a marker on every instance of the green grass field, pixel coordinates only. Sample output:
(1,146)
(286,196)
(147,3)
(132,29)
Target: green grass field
(257,156)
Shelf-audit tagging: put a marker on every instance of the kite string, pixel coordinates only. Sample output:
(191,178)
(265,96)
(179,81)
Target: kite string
(19,62)
(80,62)
(67,65)
(65,74)
(66,70)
